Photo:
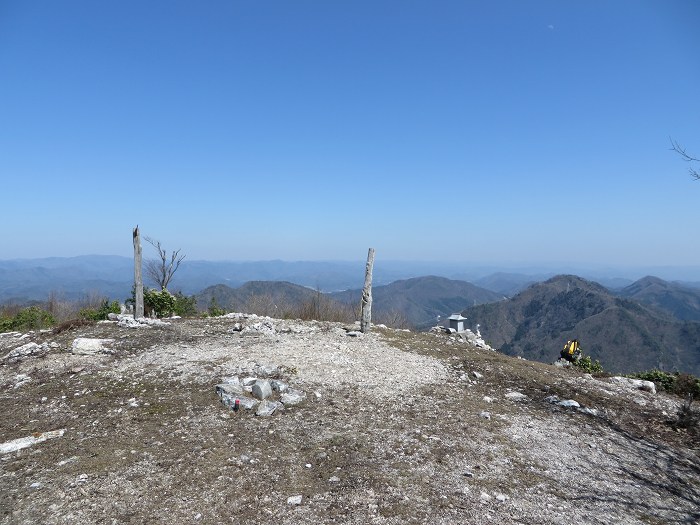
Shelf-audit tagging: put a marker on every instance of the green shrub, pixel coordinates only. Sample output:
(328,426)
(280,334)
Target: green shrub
(98,314)
(185,306)
(160,302)
(214,309)
(31,318)
(681,384)
(6,324)
(663,380)
(588,365)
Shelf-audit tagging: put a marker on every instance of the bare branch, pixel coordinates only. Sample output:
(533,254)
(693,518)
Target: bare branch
(686,157)
(161,270)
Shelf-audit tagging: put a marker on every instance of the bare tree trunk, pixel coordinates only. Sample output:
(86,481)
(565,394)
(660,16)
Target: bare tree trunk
(138,280)
(366,318)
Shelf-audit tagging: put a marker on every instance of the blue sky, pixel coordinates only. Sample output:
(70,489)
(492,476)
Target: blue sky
(501,132)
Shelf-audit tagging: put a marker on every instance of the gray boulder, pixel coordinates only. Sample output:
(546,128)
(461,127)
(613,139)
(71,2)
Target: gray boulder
(231,389)
(262,389)
(279,386)
(267,370)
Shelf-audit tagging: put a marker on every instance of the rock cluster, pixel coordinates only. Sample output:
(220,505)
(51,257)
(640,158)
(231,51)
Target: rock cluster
(259,392)
(27,350)
(466,336)
(128,321)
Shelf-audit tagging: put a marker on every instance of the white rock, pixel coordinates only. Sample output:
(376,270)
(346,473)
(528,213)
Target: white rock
(128,321)
(639,384)
(267,407)
(21,379)
(516,396)
(263,327)
(485,414)
(20,443)
(488,399)
(294,500)
(568,403)
(91,346)
(292,397)
(477,374)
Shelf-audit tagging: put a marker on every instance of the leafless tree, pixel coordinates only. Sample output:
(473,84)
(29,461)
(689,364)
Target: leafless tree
(161,270)
(686,157)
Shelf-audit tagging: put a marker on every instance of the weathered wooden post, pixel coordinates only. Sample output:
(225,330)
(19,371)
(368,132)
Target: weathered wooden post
(138,281)
(366,319)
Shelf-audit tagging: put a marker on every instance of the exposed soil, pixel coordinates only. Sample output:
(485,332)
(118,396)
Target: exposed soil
(394,430)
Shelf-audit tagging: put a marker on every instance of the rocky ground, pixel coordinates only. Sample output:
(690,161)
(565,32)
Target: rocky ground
(395,427)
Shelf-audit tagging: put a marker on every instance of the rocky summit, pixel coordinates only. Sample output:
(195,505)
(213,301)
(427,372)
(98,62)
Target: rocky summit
(244,419)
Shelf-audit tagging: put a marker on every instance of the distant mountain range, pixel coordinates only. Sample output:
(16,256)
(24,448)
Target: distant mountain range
(643,327)
(649,323)
(421,301)
(681,302)
(23,280)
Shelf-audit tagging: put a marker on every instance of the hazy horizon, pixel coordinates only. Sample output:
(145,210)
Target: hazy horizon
(477,269)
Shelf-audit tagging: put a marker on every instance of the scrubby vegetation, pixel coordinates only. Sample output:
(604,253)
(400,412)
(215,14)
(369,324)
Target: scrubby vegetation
(686,416)
(185,306)
(677,383)
(214,309)
(159,302)
(588,365)
(30,318)
(98,314)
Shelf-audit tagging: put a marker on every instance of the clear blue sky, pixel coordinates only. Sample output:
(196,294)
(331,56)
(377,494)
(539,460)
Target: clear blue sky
(504,131)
